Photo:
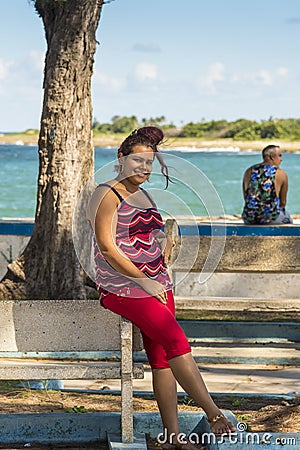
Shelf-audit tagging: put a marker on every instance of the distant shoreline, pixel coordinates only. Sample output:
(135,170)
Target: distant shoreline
(171,142)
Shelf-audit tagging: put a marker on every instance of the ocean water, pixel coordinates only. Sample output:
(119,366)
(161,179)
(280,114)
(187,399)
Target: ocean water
(205,181)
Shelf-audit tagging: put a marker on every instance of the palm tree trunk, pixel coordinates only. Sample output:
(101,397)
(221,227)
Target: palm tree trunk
(49,267)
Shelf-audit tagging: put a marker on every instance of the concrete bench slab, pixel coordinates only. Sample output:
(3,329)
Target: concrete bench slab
(58,370)
(59,325)
(69,326)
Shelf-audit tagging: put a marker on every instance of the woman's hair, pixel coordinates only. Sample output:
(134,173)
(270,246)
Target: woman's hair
(150,137)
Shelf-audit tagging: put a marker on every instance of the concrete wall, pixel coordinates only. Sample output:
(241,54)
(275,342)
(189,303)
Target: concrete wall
(262,268)
(269,254)
(239,284)
(11,247)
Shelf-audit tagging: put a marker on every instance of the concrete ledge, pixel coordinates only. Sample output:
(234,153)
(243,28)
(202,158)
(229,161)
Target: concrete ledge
(236,229)
(237,304)
(18,227)
(250,354)
(69,428)
(286,331)
(58,370)
(63,428)
(24,227)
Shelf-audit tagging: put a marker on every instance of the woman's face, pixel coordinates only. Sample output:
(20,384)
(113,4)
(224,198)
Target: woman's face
(137,166)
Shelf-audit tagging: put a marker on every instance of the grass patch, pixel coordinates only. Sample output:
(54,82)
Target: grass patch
(8,384)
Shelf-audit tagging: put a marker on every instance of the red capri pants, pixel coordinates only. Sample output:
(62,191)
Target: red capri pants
(162,335)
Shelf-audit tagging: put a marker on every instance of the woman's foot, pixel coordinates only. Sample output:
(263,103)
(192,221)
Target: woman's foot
(220,425)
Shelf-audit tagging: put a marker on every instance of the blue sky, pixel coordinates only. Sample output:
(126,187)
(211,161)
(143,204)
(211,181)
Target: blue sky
(185,60)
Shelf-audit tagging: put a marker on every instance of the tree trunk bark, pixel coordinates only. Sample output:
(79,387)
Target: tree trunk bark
(49,267)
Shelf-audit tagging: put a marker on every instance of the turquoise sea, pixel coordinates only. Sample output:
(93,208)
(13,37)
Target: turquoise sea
(206,181)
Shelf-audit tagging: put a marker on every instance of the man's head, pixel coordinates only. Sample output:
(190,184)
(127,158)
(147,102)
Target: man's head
(272,155)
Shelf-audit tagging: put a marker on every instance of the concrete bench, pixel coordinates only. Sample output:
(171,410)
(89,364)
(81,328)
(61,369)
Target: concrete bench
(214,265)
(14,236)
(47,339)
(235,266)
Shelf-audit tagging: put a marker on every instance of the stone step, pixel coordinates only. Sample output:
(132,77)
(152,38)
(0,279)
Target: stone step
(219,342)
(241,353)
(56,429)
(221,379)
(198,329)
(207,303)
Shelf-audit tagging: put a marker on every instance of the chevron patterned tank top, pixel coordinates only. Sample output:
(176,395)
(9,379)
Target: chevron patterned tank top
(136,238)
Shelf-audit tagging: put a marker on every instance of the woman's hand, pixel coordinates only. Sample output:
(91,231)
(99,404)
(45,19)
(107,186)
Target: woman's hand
(154,288)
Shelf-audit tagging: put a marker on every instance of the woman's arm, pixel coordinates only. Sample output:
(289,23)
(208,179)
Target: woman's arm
(105,224)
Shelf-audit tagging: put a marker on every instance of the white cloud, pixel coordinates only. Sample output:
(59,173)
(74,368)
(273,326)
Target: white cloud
(145,72)
(259,77)
(264,77)
(214,74)
(235,78)
(4,68)
(114,84)
(37,60)
(217,80)
(282,71)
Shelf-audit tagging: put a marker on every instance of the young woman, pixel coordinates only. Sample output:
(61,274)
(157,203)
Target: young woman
(132,279)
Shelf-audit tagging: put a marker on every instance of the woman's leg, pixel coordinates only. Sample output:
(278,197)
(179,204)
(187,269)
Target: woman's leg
(165,391)
(189,377)
(158,323)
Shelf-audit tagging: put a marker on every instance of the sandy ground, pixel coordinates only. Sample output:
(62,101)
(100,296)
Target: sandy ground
(260,414)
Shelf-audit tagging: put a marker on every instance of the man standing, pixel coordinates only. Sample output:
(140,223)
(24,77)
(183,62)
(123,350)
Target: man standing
(265,188)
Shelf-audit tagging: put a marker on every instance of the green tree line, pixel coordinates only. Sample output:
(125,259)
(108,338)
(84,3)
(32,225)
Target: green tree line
(241,129)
